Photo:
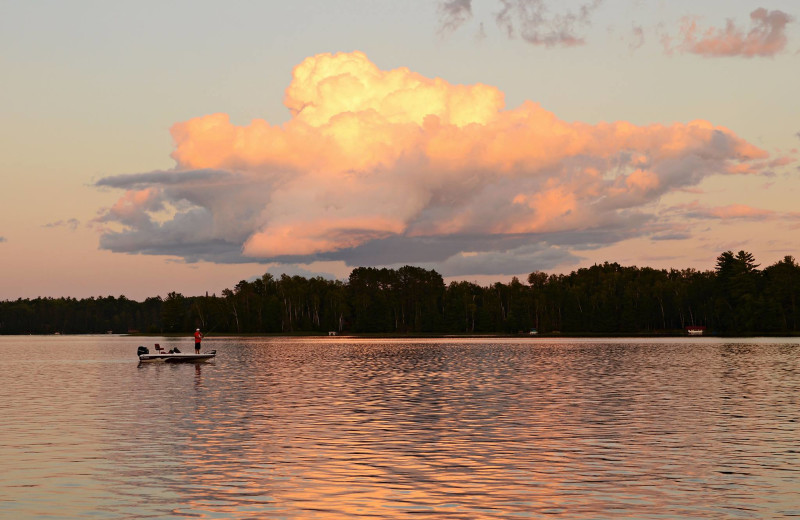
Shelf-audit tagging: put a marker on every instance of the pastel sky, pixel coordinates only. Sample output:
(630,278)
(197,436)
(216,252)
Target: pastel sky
(150,147)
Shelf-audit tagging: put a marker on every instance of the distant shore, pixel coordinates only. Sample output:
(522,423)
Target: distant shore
(463,336)
(576,335)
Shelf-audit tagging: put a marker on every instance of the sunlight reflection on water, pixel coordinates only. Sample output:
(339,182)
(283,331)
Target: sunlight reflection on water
(343,428)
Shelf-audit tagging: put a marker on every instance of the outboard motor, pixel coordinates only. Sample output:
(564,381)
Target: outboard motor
(141,351)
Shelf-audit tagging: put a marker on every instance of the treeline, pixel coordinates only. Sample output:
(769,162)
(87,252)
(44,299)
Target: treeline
(735,298)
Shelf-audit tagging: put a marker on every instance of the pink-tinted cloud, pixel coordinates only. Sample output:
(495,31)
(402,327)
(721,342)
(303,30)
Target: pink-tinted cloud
(539,22)
(740,211)
(135,207)
(390,166)
(453,13)
(538,25)
(638,37)
(766,36)
(732,212)
(72,224)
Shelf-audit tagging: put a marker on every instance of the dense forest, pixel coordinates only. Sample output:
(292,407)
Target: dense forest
(735,298)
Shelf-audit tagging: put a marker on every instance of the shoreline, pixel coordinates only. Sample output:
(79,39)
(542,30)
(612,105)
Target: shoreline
(377,336)
(463,336)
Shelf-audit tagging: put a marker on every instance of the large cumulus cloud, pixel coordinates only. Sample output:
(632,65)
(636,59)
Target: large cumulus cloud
(387,167)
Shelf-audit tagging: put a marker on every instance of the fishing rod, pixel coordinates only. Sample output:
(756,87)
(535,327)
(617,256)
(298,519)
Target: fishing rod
(210,330)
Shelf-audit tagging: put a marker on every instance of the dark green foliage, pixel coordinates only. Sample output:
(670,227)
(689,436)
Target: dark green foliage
(735,298)
(738,301)
(781,295)
(174,312)
(406,300)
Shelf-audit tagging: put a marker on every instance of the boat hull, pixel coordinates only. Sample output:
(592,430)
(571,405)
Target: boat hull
(177,358)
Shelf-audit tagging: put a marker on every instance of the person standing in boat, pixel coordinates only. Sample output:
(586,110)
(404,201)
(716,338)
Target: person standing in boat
(197,339)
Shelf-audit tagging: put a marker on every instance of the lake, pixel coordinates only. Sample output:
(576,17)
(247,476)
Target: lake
(329,428)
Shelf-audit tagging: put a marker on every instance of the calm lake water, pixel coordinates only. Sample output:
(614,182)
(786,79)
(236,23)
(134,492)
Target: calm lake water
(286,428)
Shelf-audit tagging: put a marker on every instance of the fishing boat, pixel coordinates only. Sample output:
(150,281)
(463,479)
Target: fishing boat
(172,356)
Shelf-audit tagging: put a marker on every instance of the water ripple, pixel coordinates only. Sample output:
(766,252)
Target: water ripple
(339,428)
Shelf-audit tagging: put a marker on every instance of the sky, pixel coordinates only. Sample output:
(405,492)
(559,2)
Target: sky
(150,147)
